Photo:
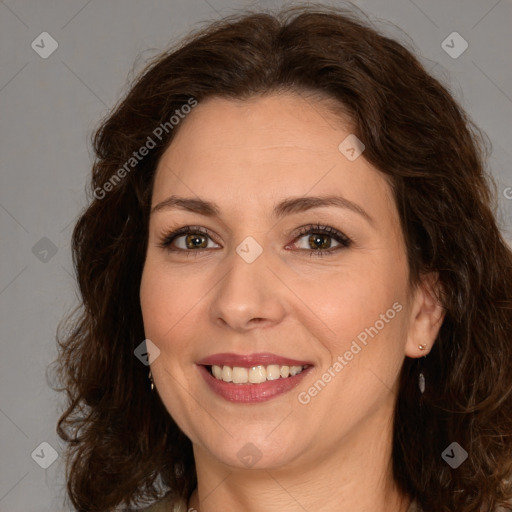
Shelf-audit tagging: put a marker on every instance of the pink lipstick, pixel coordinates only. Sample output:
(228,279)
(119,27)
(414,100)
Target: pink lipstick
(251,378)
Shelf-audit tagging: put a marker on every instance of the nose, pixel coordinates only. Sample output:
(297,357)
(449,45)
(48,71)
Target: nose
(249,295)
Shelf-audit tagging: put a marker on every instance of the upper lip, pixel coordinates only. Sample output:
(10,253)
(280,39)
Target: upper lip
(249,360)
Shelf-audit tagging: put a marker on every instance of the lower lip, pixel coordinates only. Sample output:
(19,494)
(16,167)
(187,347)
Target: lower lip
(251,393)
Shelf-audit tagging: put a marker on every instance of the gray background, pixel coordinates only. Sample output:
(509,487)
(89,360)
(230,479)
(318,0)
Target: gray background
(48,109)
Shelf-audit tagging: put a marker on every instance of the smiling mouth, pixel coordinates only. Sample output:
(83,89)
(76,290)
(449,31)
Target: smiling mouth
(254,374)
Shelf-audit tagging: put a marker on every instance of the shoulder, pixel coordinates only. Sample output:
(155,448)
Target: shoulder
(167,504)
(413,507)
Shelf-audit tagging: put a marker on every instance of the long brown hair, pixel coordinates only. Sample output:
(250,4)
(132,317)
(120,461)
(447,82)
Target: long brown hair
(122,443)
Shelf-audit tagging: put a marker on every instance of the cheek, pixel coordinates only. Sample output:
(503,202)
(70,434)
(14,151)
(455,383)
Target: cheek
(364,345)
(364,301)
(152,300)
(164,303)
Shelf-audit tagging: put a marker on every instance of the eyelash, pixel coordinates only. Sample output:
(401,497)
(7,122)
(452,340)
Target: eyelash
(317,229)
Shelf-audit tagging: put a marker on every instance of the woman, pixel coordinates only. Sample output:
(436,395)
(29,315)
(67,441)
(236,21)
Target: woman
(291,223)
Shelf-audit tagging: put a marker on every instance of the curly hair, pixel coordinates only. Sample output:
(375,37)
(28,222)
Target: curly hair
(121,441)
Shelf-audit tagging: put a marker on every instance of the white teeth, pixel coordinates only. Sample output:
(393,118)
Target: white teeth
(295,369)
(217,371)
(273,372)
(255,374)
(240,375)
(227,373)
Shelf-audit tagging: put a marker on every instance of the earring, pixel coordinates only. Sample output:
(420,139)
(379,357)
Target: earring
(421,377)
(421,382)
(151,379)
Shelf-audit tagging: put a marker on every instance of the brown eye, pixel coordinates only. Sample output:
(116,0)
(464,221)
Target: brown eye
(187,239)
(194,241)
(318,240)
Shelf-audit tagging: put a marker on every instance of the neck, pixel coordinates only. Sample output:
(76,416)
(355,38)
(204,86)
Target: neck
(356,477)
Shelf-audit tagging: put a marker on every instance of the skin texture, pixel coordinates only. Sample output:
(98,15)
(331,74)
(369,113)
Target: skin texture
(333,453)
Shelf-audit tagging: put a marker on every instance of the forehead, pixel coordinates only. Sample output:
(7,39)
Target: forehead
(268,147)
(287,124)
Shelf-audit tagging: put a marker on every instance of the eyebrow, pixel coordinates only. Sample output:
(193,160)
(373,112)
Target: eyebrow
(286,207)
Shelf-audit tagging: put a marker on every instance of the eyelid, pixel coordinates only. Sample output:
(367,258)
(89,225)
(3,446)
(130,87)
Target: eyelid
(166,239)
(320,228)
(343,240)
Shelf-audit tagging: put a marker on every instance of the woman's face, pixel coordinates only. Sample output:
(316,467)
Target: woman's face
(255,292)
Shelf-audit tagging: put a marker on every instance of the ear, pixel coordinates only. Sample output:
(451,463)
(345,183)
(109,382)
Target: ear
(427,315)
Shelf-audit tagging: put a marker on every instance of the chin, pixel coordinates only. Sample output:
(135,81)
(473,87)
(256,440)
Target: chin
(254,449)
